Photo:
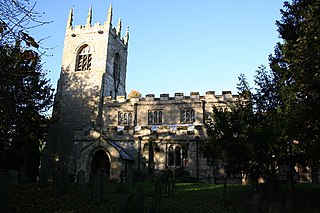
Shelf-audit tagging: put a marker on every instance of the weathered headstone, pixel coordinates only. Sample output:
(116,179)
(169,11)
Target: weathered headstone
(139,201)
(105,190)
(121,186)
(96,188)
(275,190)
(156,200)
(14,177)
(130,178)
(275,207)
(4,193)
(289,202)
(58,183)
(257,205)
(170,186)
(81,180)
(208,178)
(129,206)
(224,192)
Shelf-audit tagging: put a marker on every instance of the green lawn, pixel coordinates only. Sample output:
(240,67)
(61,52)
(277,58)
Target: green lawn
(188,197)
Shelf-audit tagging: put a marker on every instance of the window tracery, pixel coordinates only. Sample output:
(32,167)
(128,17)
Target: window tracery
(84,58)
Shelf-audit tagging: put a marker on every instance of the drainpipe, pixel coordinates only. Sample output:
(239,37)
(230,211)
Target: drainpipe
(135,121)
(139,152)
(197,156)
(203,112)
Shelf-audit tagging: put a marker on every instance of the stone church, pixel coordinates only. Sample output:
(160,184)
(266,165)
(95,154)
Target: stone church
(97,125)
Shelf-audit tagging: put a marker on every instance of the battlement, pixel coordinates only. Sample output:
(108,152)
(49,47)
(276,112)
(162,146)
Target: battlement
(107,27)
(210,96)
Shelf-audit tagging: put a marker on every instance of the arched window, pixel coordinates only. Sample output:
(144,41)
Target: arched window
(160,117)
(116,67)
(120,118)
(155,117)
(150,117)
(84,58)
(184,155)
(125,118)
(177,152)
(130,118)
(170,156)
(187,116)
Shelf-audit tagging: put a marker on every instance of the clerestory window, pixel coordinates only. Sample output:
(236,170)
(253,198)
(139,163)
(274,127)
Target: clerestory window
(84,58)
(187,116)
(155,117)
(124,118)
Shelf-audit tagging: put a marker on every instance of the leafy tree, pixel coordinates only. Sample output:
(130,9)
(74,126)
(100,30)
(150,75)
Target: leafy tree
(244,137)
(17,18)
(279,123)
(25,93)
(297,62)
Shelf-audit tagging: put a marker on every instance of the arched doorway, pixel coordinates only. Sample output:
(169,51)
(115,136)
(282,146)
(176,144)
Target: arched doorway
(100,162)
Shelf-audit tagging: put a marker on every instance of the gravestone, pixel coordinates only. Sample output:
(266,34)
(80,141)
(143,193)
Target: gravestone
(156,200)
(224,192)
(289,201)
(81,180)
(139,201)
(130,178)
(257,205)
(104,186)
(129,206)
(121,186)
(96,188)
(14,177)
(275,207)
(58,183)
(4,193)
(275,190)
(170,186)
(43,179)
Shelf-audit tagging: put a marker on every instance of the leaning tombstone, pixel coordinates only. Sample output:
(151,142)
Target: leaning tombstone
(104,185)
(14,177)
(4,193)
(81,180)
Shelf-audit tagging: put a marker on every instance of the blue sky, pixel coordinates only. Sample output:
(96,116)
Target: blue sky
(175,45)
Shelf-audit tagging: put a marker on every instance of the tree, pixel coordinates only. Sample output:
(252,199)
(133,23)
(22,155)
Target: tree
(245,137)
(17,18)
(297,62)
(280,121)
(25,93)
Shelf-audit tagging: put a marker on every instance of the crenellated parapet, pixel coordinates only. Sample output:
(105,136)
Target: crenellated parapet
(209,96)
(99,28)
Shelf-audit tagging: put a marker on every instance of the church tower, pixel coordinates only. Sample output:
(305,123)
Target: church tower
(93,66)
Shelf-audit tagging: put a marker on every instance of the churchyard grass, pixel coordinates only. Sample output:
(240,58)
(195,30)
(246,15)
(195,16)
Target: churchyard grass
(187,197)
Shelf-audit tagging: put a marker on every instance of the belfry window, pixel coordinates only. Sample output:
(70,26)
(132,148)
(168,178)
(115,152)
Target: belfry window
(187,116)
(84,58)
(116,67)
